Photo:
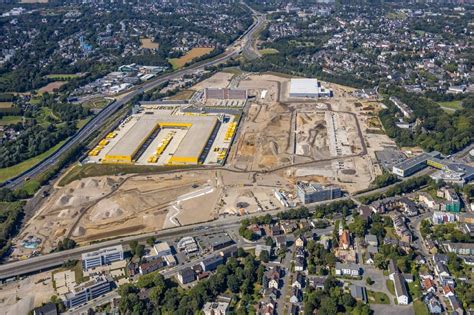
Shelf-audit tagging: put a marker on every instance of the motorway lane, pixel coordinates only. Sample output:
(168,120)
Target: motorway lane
(39,263)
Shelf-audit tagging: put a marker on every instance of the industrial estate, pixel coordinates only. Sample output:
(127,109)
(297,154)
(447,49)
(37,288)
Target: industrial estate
(238,172)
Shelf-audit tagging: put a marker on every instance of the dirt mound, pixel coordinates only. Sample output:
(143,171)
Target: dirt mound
(64,213)
(78,231)
(63,200)
(106,209)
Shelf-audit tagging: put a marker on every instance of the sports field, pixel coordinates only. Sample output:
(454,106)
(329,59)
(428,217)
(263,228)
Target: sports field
(189,56)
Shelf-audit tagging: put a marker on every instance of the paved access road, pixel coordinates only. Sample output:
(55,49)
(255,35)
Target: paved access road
(241,45)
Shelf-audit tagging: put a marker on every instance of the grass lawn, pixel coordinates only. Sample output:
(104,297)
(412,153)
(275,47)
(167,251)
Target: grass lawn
(89,170)
(12,171)
(232,70)
(415,290)
(391,233)
(99,102)
(390,286)
(35,100)
(420,308)
(189,56)
(378,297)
(268,51)
(81,123)
(7,120)
(451,105)
(62,76)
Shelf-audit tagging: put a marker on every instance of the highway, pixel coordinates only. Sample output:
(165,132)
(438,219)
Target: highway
(48,261)
(241,45)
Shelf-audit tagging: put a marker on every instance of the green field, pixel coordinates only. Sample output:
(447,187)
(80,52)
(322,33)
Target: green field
(81,123)
(378,297)
(62,76)
(390,286)
(12,171)
(268,51)
(420,308)
(450,106)
(7,120)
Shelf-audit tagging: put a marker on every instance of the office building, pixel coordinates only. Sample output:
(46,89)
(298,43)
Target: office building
(313,192)
(87,291)
(103,256)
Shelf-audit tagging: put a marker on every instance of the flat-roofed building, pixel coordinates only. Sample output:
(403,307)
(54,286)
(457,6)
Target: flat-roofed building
(417,163)
(310,88)
(225,94)
(103,256)
(190,149)
(87,291)
(313,192)
(215,308)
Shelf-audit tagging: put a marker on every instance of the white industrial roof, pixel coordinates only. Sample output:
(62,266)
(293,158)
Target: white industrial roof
(304,86)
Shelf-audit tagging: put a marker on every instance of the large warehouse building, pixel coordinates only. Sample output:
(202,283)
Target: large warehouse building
(192,147)
(308,88)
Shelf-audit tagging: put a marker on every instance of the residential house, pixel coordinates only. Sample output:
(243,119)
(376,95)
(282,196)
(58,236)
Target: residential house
(150,266)
(295,295)
(298,282)
(300,241)
(267,308)
(215,308)
(392,269)
(434,306)
(351,270)
(344,239)
(280,241)
(371,240)
(316,282)
(401,289)
(186,275)
(271,293)
(299,263)
(448,291)
(428,285)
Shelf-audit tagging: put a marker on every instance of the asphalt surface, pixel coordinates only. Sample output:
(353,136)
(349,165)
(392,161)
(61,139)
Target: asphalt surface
(48,261)
(97,121)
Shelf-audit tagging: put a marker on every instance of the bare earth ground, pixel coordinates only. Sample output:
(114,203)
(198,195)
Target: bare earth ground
(50,87)
(21,296)
(218,80)
(277,145)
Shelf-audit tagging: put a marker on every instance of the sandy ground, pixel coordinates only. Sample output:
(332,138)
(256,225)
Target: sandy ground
(148,43)
(50,87)
(218,80)
(21,296)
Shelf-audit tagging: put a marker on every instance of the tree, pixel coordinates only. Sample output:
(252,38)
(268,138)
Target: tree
(233,284)
(151,241)
(264,256)
(369,281)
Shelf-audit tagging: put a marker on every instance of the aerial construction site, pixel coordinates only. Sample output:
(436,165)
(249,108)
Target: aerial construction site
(250,141)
